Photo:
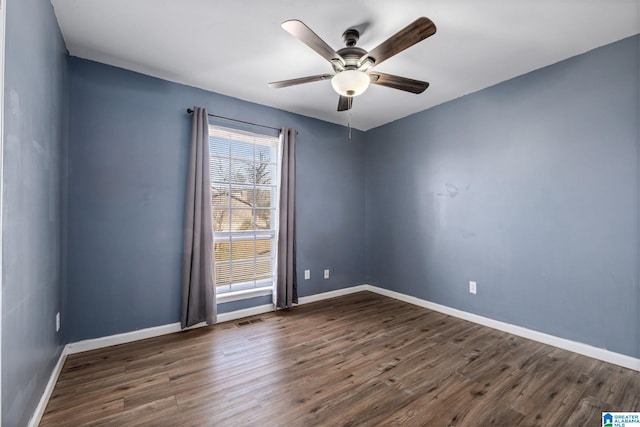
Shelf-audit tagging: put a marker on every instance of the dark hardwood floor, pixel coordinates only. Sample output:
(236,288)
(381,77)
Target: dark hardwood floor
(361,359)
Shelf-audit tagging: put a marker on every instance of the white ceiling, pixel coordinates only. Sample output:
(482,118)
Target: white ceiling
(235,47)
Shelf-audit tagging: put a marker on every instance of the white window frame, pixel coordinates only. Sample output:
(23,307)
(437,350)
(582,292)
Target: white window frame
(223,236)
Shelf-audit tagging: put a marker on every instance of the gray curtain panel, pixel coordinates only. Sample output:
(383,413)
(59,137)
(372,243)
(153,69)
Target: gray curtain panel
(286,292)
(198,290)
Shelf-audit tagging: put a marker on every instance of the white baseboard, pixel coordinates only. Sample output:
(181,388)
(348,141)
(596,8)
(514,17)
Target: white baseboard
(95,343)
(48,390)
(156,331)
(333,294)
(565,344)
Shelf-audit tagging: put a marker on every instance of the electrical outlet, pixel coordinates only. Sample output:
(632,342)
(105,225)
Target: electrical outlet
(473,288)
(326,273)
(307,274)
(57,321)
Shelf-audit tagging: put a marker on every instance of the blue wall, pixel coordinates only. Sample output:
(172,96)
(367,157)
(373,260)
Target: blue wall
(35,114)
(128,149)
(531,189)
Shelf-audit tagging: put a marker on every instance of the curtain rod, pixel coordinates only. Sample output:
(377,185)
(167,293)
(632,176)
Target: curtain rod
(190,110)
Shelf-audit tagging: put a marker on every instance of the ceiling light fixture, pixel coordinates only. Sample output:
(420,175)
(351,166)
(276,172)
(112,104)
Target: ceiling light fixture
(350,82)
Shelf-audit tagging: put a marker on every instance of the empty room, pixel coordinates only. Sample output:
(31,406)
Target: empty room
(288,213)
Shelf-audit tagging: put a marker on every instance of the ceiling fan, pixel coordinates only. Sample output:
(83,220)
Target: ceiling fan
(352,64)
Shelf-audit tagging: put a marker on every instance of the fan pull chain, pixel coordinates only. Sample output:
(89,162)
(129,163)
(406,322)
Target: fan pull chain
(350,104)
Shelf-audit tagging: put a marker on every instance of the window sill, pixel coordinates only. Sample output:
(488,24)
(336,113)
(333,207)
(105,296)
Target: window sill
(240,295)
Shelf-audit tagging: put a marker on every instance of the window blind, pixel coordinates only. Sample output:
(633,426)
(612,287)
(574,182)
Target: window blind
(244,187)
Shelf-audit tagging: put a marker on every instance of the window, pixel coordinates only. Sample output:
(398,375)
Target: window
(244,192)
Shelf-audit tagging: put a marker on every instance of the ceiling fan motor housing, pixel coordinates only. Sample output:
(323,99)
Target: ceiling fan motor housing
(351,56)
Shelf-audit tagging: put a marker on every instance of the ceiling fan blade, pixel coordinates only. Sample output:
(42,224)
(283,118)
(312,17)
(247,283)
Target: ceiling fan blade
(397,82)
(413,33)
(291,82)
(345,103)
(303,33)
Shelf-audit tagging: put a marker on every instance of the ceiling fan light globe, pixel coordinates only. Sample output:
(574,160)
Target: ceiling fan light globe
(350,82)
